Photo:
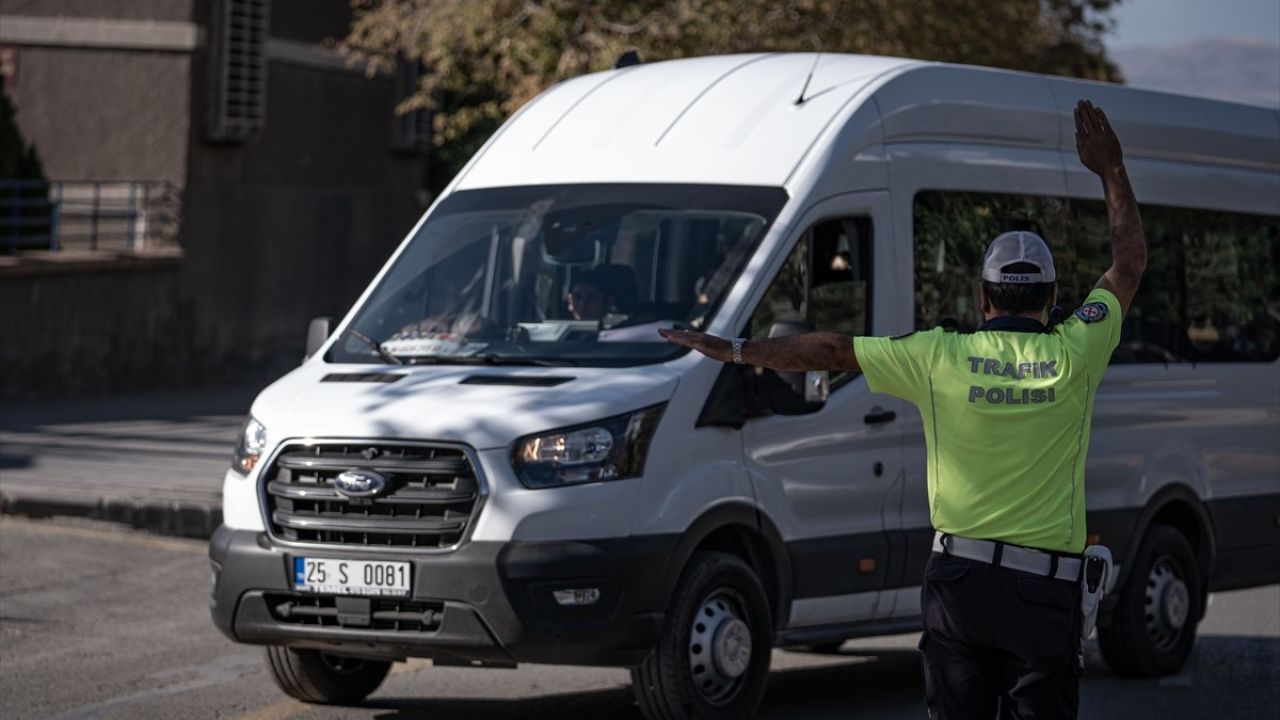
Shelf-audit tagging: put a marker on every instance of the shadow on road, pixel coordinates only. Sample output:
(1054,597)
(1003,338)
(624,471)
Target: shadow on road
(871,684)
(614,704)
(1227,676)
(877,684)
(14,462)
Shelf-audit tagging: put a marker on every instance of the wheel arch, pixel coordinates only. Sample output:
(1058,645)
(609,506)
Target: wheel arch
(741,530)
(1177,506)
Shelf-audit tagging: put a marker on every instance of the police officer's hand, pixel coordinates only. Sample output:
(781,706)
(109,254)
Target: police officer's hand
(1096,142)
(716,348)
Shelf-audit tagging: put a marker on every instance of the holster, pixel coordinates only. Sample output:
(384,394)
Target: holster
(1094,577)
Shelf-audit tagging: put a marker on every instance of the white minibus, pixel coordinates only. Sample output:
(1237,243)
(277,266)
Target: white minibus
(494,458)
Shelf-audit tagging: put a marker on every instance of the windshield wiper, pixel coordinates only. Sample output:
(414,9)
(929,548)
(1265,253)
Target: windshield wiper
(377,347)
(488,360)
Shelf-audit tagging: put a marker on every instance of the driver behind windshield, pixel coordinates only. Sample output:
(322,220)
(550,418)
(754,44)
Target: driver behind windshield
(588,299)
(607,294)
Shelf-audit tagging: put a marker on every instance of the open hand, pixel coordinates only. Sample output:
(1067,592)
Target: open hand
(1096,142)
(716,348)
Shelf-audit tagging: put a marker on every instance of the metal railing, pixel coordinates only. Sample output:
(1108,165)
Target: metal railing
(91,215)
(28,218)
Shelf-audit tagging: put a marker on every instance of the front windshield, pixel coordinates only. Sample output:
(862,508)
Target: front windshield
(560,274)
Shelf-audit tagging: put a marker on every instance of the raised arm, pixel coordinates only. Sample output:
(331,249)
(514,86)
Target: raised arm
(797,353)
(1099,150)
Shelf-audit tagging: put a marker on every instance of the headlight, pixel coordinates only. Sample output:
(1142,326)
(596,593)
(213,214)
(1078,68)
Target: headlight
(610,449)
(249,446)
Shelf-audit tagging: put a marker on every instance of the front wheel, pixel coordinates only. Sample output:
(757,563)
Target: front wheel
(316,677)
(1154,624)
(712,661)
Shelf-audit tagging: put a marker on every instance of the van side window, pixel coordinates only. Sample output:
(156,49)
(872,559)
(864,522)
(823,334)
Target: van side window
(952,230)
(824,283)
(1211,292)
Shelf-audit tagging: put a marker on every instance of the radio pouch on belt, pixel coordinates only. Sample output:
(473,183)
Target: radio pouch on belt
(1093,584)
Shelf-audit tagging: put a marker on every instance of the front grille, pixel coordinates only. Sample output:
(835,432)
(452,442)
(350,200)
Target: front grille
(384,613)
(431,495)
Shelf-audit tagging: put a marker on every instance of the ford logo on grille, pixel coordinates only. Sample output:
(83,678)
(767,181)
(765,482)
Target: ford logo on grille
(360,483)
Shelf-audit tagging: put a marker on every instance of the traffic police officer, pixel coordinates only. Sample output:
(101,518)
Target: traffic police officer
(1006,413)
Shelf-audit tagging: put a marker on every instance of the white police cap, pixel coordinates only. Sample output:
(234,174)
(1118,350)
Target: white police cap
(1018,246)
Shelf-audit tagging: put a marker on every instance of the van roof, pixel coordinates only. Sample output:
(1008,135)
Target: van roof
(735,119)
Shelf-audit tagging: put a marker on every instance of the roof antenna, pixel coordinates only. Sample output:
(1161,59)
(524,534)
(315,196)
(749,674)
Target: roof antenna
(817,53)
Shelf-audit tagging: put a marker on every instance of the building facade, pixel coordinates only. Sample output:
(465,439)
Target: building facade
(222,176)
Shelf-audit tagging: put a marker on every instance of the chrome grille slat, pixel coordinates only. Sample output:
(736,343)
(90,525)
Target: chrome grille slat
(403,496)
(344,523)
(433,494)
(339,463)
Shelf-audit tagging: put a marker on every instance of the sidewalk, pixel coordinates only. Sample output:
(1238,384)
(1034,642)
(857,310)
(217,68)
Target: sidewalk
(153,461)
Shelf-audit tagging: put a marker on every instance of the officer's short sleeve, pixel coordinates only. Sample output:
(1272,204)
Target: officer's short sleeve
(1093,330)
(899,366)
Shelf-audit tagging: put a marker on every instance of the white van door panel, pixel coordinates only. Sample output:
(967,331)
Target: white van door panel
(826,479)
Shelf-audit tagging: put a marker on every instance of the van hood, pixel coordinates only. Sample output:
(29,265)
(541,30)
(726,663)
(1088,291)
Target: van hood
(484,407)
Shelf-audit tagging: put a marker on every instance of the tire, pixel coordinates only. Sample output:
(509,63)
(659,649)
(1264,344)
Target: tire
(712,660)
(1154,623)
(316,677)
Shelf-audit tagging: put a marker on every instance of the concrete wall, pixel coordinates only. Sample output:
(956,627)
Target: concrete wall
(102,95)
(261,262)
(288,225)
(68,330)
(293,223)
(325,129)
(105,114)
(163,10)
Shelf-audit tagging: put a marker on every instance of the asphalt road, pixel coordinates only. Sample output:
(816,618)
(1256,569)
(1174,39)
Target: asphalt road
(102,622)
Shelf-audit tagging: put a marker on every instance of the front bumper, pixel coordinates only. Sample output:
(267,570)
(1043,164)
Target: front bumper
(492,600)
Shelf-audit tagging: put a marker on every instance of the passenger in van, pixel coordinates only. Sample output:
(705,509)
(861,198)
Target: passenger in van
(1006,412)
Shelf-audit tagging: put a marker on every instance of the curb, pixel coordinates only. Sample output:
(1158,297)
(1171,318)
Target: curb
(164,517)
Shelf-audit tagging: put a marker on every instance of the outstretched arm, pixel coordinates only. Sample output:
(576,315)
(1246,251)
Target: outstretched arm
(1099,150)
(797,353)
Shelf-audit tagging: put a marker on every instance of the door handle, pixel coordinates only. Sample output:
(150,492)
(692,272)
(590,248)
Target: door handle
(879,415)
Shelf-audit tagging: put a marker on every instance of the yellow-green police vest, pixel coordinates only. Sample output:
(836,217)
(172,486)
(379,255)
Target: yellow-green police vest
(1006,418)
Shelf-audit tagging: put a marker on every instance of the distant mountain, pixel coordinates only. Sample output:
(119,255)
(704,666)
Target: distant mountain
(1239,69)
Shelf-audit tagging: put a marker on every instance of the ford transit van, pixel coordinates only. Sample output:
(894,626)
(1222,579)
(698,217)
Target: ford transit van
(494,458)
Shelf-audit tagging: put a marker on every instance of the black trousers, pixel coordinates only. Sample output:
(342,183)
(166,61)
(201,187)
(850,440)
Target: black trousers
(998,640)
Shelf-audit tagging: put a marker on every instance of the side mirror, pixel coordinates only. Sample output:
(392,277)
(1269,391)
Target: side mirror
(817,386)
(787,328)
(793,393)
(317,333)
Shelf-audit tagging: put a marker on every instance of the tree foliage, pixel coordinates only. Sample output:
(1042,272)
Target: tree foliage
(18,158)
(486,58)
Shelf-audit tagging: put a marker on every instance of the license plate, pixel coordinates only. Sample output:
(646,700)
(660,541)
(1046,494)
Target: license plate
(351,577)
